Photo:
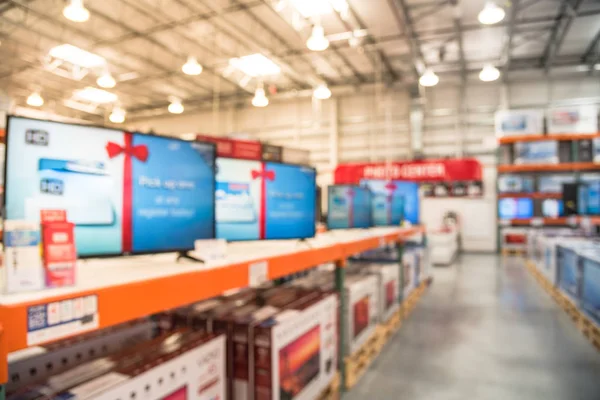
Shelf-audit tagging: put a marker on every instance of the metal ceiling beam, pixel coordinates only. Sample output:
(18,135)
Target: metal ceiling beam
(592,47)
(509,41)
(567,14)
(403,20)
(459,37)
(432,9)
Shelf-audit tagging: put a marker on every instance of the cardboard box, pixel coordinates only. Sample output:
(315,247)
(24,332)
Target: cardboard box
(576,119)
(388,284)
(585,150)
(408,272)
(22,268)
(590,293)
(543,152)
(362,310)
(597,150)
(295,353)
(519,122)
(570,267)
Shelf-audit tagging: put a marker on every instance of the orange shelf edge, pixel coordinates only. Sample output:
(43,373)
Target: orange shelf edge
(548,167)
(540,138)
(130,301)
(552,221)
(534,195)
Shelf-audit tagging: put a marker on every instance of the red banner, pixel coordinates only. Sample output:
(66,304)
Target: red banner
(246,149)
(466,169)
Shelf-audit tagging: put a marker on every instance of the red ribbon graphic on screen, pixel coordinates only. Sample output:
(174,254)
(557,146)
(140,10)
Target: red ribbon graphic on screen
(391,187)
(263,175)
(350,208)
(128,150)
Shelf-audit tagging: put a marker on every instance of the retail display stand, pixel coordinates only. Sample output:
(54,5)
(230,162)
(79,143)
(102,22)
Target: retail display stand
(114,291)
(575,166)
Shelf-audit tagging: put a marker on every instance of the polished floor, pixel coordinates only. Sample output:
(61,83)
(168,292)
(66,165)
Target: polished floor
(485,330)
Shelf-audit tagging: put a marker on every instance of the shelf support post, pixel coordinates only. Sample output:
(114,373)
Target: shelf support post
(400,252)
(340,276)
(3,364)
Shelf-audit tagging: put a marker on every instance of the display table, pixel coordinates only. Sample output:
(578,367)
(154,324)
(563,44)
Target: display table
(443,246)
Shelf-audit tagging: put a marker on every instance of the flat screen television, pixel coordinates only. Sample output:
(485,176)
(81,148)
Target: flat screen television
(126,193)
(552,208)
(393,201)
(515,184)
(515,208)
(264,200)
(553,183)
(349,206)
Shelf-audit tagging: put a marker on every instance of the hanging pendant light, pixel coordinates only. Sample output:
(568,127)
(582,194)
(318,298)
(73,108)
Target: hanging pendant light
(75,11)
(117,115)
(106,80)
(175,107)
(35,99)
(489,73)
(317,40)
(192,67)
(322,92)
(260,98)
(429,78)
(491,14)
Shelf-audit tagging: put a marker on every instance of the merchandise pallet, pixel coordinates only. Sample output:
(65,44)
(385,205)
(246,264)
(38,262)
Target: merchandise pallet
(513,252)
(332,392)
(126,289)
(411,302)
(588,328)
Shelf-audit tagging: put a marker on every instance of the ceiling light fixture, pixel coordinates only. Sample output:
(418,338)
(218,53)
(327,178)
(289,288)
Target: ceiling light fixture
(317,40)
(255,65)
(192,67)
(35,99)
(95,95)
(106,80)
(491,14)
(76,12)
(322,92)
(260,99)
(312,8)
(279,5)
(429,78)
(175,107)
(77,56)
(117,115)
(489,73)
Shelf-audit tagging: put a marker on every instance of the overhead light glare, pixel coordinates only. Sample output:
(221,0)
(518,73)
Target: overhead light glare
(255,65)
(260,99)
(312,8)
(77,56)
(35,100)
(597,67)
(317,40)
(322,92)
(192,67)
(491,14)
(117,115)
(175,107)
(95,95)
(429,78)
(489,73)
(75,11)
(106,80)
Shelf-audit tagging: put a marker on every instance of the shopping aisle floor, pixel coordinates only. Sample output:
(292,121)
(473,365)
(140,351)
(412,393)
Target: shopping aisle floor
(484,330)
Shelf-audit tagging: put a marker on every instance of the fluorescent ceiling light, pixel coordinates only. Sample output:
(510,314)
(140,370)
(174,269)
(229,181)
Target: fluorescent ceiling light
(35,99)
(192,67)
(255,65)
(311,8)
(491,14)
(95,95)
(317,40)
(76,11)
(322,92)
(429,78)
(77,56)
(260,99)
(489,73)
(106,80)
(117,115)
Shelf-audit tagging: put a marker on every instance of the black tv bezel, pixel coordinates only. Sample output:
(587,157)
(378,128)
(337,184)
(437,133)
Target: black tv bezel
(121,254)
(314,231)
(349,185)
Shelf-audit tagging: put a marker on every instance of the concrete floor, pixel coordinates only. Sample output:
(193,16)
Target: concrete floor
(485,330)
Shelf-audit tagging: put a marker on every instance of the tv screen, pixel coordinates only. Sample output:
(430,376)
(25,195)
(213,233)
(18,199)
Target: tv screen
(593,198)
(552,208)
(512,208)
(264,200)
(125,192)
(393,201)
(349,206)
(515,184)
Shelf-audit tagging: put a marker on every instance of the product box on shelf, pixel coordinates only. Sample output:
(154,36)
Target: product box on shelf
(519,122)
(576,119)
(295,352)
(585,150)
(597,150)
(514,238)
(23,270)
(507,154)
(388,284)
(408,272)
(570,266)
(59,254)
(543,152)
(362,298)
(590,293)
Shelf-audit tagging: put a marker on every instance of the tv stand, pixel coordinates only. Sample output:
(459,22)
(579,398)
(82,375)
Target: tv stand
(187,256)
(306,242)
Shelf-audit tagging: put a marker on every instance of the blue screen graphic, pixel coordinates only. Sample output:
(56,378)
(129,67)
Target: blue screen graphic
(257,200)
(349,206)
(590,295)
(119,189)
(392,201)
(511,208)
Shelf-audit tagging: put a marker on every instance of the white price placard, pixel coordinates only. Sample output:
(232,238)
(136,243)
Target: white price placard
(211,249)
(258,273)
(572,220)
(537,221)
(382,241)
(504,222)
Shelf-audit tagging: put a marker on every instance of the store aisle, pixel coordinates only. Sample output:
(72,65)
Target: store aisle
(486,331)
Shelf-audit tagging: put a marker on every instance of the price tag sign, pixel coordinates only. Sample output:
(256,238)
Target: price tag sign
(504,222)
(586,223)
(258,273)
(382,241)
(537,222)
(572,220)
(211,249)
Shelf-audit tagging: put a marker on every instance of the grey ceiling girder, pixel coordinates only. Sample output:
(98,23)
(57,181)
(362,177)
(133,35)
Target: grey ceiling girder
(567,14)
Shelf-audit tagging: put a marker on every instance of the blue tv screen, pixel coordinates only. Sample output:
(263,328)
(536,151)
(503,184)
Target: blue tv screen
(553,208)
(393,201)
(514,208)
(264,200)
(593,198)
(125,192)
(349,206)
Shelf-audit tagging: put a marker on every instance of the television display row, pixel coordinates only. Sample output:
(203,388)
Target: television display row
(372,203)
(130,193)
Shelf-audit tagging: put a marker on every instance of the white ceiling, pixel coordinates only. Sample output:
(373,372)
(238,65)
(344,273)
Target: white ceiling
(152,38)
